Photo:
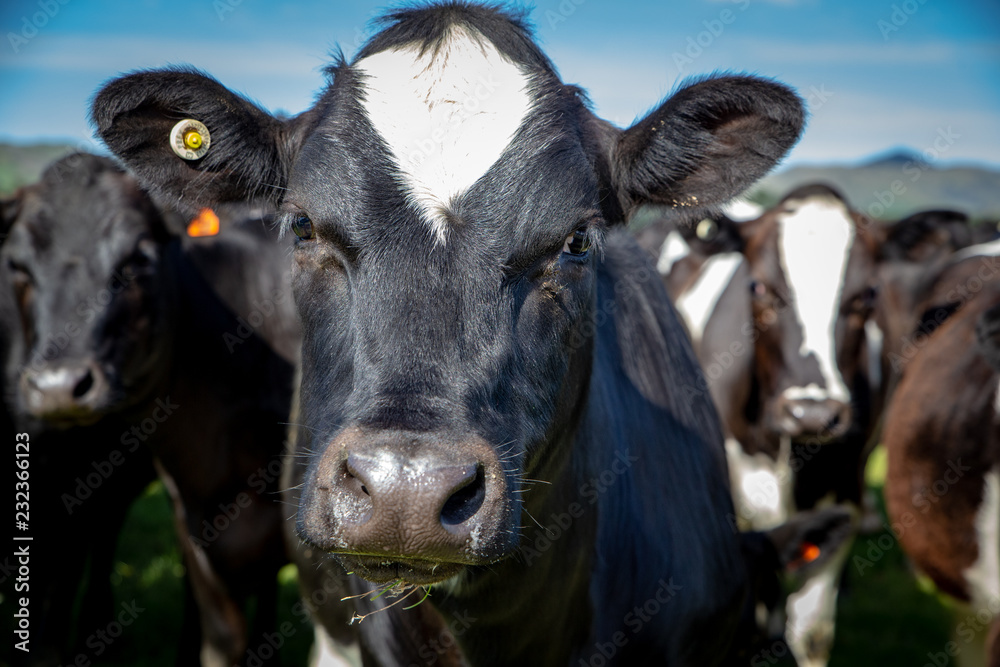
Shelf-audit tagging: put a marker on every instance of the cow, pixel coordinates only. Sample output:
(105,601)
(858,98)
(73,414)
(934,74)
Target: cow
(485,348)
(757,304)
(696,262)
(942,436)
(137,345)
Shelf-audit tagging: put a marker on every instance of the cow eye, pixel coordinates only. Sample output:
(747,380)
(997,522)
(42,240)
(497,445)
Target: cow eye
(757,288)
(865,301)
(303,228)
(19,271)
(578,243)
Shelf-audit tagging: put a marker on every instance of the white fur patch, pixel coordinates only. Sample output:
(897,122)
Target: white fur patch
(814,243)
(811,613)
(991,249)
(328,653)
(762,486)
(673,250)
(742,210)
(697,303)
(874,339)
(446,116)
(983,578)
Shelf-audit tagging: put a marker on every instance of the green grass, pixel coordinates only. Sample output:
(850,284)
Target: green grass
(885,617)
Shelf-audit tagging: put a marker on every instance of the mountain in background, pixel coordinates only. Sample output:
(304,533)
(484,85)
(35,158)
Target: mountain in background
(23,164)
(894,185)
(888,186)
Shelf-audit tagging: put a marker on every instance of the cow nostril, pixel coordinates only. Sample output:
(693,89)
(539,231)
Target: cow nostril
(465,502)
(835,421)
(364,490)
(84,386)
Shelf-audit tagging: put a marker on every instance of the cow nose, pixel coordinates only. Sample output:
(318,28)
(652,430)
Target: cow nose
(62,389)
(413,497)
(809,417)
(449,494)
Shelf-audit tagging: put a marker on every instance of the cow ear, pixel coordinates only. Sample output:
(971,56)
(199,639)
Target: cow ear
(926,235)
(809,539)
(248,150)
(705,144)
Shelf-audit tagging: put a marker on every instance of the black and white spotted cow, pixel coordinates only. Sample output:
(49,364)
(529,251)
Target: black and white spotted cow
(486,350)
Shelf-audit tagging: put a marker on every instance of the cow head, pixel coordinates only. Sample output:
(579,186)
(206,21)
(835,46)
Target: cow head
(912,253)
(449,195)
(812,264)
(82,259)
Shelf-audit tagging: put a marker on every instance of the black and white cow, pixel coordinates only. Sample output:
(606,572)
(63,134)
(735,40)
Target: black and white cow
(132,339)
(942,434)
(778,312)
(483,341)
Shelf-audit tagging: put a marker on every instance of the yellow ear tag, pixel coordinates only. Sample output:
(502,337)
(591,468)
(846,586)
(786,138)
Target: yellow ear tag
(706,229)
(190,139)
(206,224)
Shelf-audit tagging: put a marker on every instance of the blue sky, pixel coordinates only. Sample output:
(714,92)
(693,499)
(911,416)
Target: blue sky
(877,74)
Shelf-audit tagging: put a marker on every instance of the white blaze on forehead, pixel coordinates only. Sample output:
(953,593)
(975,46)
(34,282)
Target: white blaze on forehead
(673,250)
(446,115)
(814,243)
(698,303)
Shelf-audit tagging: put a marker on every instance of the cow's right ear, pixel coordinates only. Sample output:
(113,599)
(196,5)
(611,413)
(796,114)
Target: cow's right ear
(248,151)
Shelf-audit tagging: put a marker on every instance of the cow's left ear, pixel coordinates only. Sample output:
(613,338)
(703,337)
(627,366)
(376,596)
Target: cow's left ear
(705,144)
(235,151)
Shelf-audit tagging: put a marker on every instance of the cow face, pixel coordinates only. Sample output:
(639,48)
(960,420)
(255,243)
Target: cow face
(912,253)
(82,260)
(449,195)
(812,289)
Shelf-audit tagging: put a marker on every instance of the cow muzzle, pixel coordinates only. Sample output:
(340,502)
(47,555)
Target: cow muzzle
(412,506)
(819,418)
(70,393)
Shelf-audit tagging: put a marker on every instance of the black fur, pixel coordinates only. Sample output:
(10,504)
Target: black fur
(93,274)
(561,364)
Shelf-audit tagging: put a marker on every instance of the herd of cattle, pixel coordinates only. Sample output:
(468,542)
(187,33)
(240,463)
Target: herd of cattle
(408,341)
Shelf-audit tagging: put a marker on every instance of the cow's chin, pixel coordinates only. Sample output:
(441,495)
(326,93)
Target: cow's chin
(407,570)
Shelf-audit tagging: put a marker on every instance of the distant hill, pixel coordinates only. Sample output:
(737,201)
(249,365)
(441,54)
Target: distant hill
(888,187)
(894,186)
(22,165)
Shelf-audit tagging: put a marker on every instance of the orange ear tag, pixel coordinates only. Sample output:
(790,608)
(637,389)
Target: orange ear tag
(206,224)
(810,552)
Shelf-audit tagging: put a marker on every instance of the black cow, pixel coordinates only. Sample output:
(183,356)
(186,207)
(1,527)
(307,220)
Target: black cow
(484,347)
(132,340)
